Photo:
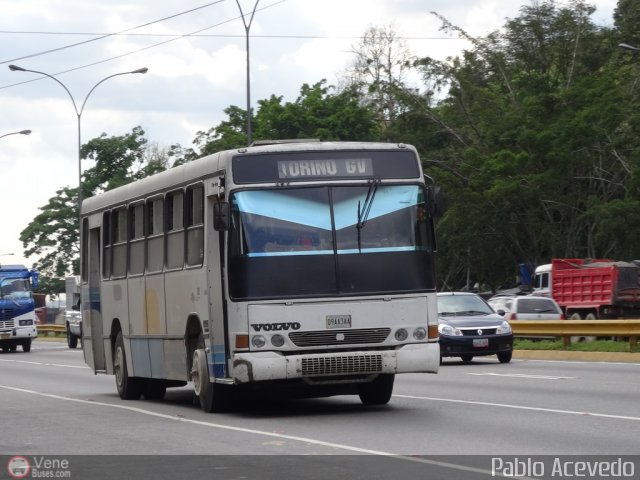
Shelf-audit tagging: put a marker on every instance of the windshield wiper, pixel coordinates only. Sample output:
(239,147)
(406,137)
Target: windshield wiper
(363,213)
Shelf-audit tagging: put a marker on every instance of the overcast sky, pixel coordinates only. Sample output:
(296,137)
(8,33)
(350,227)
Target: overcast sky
(191,78)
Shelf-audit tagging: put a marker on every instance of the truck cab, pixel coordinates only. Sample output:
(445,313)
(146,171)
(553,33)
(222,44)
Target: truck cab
(17,307)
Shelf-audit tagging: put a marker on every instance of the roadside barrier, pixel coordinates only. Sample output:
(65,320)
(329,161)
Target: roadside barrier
(47,328)
(575,328)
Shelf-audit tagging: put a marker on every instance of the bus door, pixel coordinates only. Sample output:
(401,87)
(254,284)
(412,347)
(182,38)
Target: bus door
(218,329)
(93,334)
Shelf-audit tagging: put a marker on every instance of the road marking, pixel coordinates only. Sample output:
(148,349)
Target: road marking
(220,426)
(522,407)
(522,375)
(43,363)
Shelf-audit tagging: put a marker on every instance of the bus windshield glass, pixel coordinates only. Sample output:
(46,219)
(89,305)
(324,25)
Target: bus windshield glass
(322,241)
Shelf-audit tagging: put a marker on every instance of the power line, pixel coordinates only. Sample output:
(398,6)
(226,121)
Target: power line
(140,49)
(109,34)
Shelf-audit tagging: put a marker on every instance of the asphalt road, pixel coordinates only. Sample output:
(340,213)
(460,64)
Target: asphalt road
(53,405)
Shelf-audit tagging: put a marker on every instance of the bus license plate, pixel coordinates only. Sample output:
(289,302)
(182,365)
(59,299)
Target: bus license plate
(338,321)
(5,336)
(480,342)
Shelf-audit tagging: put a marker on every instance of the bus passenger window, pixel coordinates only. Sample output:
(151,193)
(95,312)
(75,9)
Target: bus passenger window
(175,229)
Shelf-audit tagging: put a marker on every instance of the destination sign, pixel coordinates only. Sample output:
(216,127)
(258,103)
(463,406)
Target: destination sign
(301,166)
(349,167)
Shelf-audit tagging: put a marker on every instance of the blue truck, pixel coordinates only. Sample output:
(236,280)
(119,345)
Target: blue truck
(17,307)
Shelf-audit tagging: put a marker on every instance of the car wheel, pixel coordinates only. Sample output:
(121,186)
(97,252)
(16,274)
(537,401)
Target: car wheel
(26,345)
(72,340)
(466,358)
(377,392)
(129,388)
(504,357)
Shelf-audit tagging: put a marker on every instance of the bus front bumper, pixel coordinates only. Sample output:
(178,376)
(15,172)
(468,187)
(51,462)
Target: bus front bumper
(264,366)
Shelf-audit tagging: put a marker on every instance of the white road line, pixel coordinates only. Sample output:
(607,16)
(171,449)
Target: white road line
(44,364)
(522,375)
(522,407)
(263,433)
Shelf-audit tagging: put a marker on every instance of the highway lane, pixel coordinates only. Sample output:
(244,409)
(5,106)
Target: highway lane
(53,404)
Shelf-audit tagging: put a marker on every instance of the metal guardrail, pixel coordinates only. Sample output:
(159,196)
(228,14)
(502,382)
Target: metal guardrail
(569,328)
(48,328)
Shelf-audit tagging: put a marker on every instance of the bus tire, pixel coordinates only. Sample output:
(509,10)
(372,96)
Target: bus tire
(26,345)
(377,392)
(212,398)
(129,388)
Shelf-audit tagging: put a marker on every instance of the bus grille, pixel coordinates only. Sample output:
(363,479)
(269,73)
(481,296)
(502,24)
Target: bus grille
(341,365)
(339,337)
(4,322)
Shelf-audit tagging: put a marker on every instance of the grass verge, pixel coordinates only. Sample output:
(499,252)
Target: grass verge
(594,346)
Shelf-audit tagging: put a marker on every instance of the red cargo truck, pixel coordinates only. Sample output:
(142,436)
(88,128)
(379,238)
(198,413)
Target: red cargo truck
(591,288)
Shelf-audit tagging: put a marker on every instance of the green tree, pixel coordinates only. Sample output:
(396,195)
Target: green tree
(52,236)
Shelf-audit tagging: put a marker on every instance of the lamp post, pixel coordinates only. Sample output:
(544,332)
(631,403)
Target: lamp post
(21,132)
(16,68)
(628,47)
(247,26)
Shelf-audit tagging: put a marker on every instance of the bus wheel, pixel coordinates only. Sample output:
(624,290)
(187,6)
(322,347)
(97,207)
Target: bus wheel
(129,388)
(26,345)
(377,392)
(212,397)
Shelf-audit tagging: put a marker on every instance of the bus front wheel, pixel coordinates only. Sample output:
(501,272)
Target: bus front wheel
(129,388)
(212,397)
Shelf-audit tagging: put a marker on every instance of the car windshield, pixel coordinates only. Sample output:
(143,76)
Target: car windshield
(459,305)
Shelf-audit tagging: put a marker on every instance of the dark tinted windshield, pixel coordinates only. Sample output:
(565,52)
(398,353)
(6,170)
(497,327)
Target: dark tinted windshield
(316,241)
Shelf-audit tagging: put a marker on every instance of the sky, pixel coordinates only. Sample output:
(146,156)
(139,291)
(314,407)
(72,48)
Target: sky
(195,53)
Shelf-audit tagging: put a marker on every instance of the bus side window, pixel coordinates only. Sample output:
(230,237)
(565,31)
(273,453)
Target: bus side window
(174,204)
(195,226)
(155,234)
(119,242)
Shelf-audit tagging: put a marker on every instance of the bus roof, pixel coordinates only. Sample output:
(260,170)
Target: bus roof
(203,167)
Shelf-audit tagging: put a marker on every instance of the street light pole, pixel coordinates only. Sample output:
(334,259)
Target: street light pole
(16,68)
(247,26)
(21,132)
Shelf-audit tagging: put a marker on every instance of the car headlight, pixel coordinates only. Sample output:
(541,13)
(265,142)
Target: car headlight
(504,328)
(445,329)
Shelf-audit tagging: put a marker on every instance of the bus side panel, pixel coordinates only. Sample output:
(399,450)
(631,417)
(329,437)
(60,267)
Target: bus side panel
(115,307)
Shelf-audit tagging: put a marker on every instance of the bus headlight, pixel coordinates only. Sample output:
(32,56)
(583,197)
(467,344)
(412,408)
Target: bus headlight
(420,333)
(277,340)
(258,341)
(401,335)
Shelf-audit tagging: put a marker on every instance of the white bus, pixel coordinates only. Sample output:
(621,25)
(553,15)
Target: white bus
(306,265)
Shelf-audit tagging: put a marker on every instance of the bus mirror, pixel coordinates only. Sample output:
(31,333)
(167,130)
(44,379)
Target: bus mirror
(35,279)
(435,201)
(221,215)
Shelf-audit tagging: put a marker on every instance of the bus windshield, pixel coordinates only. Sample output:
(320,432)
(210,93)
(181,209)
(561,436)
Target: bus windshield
(339,240)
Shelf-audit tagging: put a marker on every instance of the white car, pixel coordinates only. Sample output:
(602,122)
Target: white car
(526,307)
(73,322)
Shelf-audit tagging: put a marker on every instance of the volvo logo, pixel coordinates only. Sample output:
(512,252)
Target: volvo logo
(268,327)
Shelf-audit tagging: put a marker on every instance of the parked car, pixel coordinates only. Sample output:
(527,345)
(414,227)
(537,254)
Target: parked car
(470,328)
(526,307)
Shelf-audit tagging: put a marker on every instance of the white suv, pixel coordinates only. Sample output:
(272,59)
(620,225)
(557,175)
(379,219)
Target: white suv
(526,307)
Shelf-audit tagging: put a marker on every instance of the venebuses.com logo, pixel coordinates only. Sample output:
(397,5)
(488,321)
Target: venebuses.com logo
(18,467)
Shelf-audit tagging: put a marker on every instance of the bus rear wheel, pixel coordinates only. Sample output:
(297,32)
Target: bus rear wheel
(129,388)
(377,392)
